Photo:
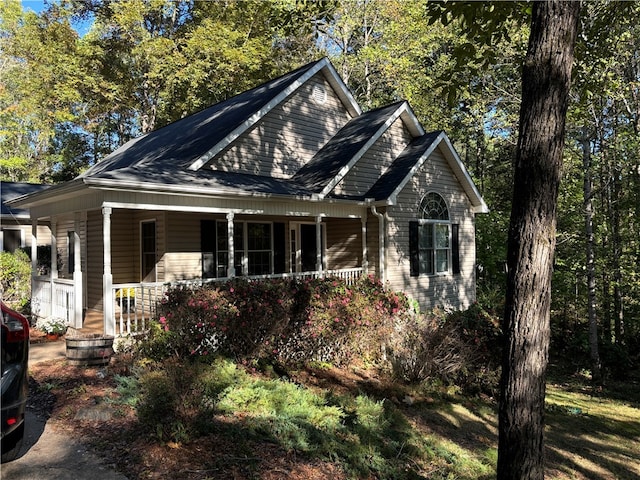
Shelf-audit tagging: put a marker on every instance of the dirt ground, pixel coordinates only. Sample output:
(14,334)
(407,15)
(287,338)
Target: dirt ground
(74,403)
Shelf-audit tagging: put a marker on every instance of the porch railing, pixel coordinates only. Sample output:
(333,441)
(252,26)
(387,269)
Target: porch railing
(53,298)
(41,296)
(63,303)
(135,303)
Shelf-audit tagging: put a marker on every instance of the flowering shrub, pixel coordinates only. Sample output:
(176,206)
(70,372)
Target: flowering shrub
(283,319)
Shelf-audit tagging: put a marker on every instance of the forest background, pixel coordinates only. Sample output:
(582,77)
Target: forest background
(67,99)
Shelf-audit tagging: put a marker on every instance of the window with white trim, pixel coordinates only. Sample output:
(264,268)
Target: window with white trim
(252,246)
(148,250)
(433,239)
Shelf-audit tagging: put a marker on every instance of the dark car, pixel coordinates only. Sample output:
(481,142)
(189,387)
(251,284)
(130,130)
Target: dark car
(14,382)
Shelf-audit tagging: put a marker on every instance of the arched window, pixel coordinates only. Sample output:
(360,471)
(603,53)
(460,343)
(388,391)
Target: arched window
(430,238)
(433,207)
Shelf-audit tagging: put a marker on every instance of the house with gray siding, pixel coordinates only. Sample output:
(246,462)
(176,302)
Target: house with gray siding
(290,178)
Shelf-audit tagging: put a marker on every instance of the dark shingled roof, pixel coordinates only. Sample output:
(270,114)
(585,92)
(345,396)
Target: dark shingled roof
(11,190)
(173,148)
(229,182)
(338,151)
(401,167)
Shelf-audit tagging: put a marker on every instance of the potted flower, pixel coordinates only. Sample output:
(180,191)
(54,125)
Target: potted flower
(126,299)
(52,327)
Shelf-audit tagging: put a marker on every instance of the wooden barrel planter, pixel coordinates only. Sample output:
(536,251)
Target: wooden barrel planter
(90,350)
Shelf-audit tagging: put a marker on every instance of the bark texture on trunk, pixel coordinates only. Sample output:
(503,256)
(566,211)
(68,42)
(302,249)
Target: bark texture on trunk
(545,92)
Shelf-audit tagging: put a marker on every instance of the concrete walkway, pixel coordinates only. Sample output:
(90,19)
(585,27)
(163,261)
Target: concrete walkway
(41,352)
(48,455)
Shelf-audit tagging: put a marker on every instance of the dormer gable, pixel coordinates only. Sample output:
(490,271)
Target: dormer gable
(333,161)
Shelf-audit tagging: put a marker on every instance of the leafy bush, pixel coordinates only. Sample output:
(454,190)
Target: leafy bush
(167,400)
(286,320)
(15,279)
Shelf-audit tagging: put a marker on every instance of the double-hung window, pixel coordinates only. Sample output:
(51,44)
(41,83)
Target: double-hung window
(258,248)
(252,246)
(433,239)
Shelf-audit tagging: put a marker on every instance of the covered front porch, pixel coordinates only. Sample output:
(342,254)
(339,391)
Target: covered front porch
(116,262)
(133,305)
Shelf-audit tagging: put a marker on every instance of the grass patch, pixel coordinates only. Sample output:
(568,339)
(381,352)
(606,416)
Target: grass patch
(592,435)
(379,435)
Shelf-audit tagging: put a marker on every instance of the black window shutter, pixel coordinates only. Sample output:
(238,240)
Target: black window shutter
(279,243)
(208,248)
(414,253)
(455,248)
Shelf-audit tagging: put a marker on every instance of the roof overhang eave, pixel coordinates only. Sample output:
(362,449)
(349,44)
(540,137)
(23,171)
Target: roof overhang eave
(44,196)
(189,190)
(455,162)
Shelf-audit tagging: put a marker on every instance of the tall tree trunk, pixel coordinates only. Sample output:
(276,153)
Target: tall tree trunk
(596,372)
(605,206)
(546,79)
(616,240)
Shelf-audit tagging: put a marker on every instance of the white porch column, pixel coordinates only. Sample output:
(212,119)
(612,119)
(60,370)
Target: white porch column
(319,244)
(231,271)
(365,253)
(54,249)
(54,265)
(107,277)
(77,274)
(34,253)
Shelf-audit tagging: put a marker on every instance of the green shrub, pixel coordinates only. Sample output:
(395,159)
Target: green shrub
(168,399)
(179,400)
(15,279)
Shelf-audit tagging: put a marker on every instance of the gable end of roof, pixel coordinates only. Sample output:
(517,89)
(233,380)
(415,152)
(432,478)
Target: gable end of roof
(334,80)
(391,183)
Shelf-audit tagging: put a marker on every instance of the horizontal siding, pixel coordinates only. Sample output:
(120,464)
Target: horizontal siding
(123,247)
(288,136)
(240,205)
(373,244)
(86,200)
(43,234)
(451,291)
(182,258)
(344,243)
(64,225)
(159,218)
(95,260)
(375,161)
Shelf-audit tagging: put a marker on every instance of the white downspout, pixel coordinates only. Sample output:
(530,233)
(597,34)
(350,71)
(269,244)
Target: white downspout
(381,239)
(319,262)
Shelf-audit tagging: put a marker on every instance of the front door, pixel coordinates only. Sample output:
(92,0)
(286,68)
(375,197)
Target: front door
(304,247)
